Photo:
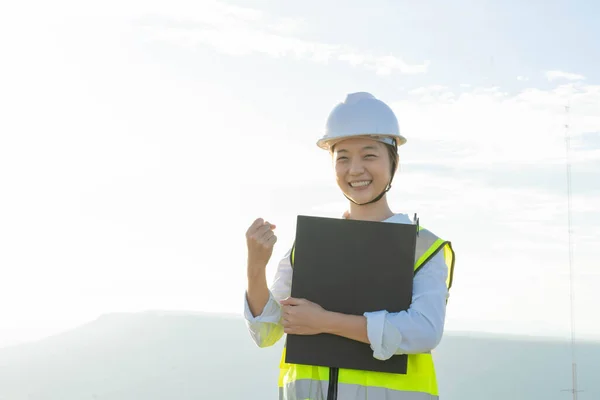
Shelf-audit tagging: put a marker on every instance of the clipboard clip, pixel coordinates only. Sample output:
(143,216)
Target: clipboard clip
(416,222)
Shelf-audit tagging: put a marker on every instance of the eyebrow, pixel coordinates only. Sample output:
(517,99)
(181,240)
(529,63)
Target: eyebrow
(364,148)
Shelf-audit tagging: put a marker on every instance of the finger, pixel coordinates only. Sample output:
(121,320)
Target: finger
(291,301)
(270,242)
(271,226)
(295,330)
(288,324)
(266,235)
(260,231)
(289,329)
(267,242)
(254,226)
(265,226)
(285,302)
(258,222)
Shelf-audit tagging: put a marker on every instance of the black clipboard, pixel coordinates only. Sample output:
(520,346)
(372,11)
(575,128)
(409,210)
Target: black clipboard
(351,267)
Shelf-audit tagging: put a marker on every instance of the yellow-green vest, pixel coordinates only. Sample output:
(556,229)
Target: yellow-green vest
(306,382)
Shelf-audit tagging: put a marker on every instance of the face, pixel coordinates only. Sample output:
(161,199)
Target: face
(362,168)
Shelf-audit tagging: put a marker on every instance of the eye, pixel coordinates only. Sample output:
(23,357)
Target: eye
(342,158)
(370,156)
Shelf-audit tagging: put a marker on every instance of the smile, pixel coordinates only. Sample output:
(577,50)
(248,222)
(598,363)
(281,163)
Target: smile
(360,183)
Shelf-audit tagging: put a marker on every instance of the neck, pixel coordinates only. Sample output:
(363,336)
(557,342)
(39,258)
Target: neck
(378,211)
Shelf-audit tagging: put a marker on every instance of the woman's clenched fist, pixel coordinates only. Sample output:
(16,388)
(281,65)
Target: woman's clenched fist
(260,240)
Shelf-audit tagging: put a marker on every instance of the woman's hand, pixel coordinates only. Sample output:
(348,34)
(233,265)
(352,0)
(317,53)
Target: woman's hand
(260,240)
(303,317)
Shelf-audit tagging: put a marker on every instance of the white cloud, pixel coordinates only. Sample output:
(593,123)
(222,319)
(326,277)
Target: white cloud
(553,75)
(240,31)
(432,89)
(484,139)
(522,78)
(385,65)
(288,26)
(486,126)
(232,30)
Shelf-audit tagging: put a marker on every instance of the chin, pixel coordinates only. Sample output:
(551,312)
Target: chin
(361,197)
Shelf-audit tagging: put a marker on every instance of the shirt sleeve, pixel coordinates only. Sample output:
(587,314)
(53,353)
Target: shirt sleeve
(418,329)
(266,329)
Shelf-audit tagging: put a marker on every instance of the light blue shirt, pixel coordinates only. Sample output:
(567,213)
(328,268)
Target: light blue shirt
(416,330)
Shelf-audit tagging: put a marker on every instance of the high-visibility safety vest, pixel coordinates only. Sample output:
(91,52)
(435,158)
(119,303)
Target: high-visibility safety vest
(308,382)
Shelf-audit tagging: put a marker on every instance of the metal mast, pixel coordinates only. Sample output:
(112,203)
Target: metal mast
(574,390)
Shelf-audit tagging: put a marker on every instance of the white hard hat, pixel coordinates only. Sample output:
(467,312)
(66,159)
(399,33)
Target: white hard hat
(361,114)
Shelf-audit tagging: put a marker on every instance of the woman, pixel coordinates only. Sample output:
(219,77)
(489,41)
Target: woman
(362,136)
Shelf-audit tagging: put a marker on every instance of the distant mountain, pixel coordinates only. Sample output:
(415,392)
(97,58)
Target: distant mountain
(154,355)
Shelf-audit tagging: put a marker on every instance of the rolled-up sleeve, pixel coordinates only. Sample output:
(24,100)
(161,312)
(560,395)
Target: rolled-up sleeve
(266,329)
(418,329)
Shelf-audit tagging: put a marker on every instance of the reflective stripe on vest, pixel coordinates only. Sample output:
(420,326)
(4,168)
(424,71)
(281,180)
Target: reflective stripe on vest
(307,382)
(304,382)
(308,389)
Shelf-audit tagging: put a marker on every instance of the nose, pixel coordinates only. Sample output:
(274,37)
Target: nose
(356,166)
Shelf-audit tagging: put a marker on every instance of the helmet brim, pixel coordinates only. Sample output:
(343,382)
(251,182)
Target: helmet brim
(327,143)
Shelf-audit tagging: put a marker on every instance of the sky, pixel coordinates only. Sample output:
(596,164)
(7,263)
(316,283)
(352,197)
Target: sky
(139,140)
